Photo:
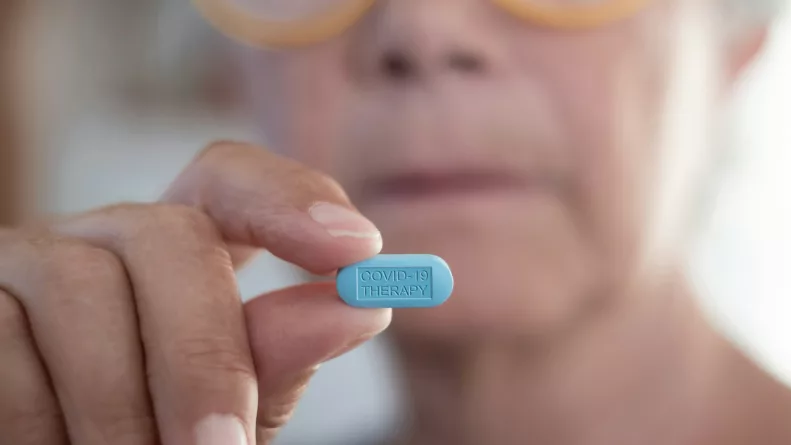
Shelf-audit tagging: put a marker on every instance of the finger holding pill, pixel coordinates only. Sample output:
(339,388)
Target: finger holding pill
(396,281)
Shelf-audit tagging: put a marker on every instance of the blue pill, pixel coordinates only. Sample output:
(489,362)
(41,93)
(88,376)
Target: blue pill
(396,281)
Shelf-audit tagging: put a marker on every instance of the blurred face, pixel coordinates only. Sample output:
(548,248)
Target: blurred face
(531,159)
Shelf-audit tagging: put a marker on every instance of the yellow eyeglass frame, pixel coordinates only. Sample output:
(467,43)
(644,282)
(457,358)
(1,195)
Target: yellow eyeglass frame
(575,16)
(266,33)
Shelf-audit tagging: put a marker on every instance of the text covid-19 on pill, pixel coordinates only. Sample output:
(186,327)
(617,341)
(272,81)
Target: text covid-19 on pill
(396,281)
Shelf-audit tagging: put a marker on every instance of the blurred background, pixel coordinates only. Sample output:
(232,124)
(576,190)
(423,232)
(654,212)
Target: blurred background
(117,96)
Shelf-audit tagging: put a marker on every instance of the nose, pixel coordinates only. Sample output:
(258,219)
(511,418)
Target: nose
(416,40)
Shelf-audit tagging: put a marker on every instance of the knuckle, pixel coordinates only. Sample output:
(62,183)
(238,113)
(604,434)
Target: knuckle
(275,419)
(277,407)
(33,425)
(182,220)
(13,321)
(42,264)
(161,220)
(70,264)
(220,149)
(206,168)
(226,158)
(300,183)
(10,240)
(329,184)
(241,166)
(274,415)
(119,425)
(214,359)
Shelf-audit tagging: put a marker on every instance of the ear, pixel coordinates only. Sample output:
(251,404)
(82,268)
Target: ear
(743,48)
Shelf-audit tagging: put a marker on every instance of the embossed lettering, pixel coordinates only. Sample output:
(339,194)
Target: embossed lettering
(394,282)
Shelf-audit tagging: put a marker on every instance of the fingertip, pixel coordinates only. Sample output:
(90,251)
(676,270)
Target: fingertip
(354,237)
(316,248)
(298,327)
(343,222)
(380,319)
(221,429)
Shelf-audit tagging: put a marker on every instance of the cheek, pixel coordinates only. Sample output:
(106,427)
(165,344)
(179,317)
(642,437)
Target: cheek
(611,105)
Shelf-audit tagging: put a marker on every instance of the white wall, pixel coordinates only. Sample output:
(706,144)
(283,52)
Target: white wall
(744,261)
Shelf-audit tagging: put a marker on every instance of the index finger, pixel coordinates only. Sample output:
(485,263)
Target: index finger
(263,200)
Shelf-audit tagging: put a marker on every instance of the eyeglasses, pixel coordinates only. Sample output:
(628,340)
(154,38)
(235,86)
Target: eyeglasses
(293,23)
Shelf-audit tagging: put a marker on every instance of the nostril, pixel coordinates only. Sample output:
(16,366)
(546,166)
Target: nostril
(396,65)
(399,65)
(465,62)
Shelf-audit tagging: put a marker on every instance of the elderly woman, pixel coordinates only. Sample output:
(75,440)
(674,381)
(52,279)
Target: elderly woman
(551,151)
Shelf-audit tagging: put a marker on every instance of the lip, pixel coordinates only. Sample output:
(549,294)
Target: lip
(427,186)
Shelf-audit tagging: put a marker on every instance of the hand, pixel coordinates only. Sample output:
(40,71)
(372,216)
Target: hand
(124,325)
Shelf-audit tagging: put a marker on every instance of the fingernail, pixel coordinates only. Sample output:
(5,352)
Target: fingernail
(342,222)
(220,430)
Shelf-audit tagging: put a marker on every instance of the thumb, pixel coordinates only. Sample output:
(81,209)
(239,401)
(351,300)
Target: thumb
(292,332)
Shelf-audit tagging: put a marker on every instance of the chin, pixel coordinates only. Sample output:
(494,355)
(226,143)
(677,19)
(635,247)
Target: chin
(513,277)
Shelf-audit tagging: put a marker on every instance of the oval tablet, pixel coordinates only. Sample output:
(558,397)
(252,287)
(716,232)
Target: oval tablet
(396,281)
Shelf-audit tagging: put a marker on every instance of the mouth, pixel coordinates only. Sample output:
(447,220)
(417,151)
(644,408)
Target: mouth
(422,186)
